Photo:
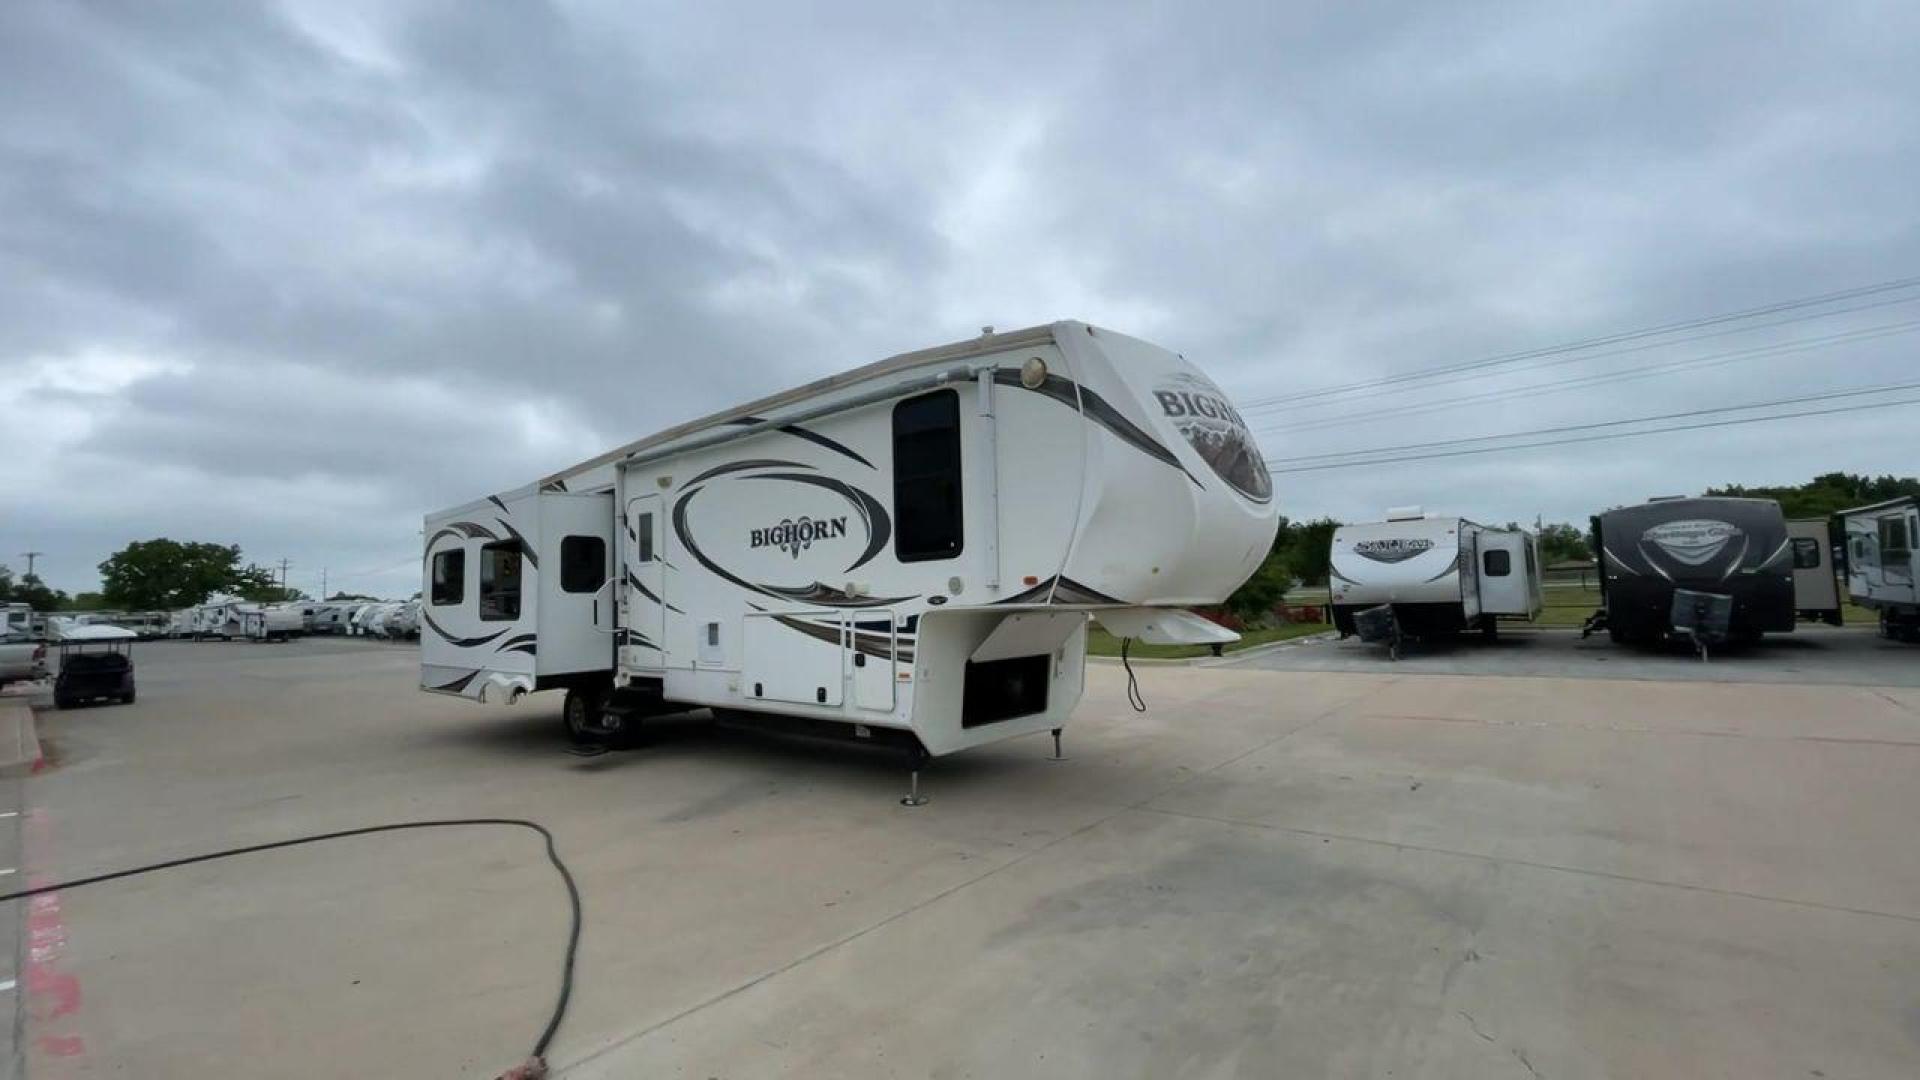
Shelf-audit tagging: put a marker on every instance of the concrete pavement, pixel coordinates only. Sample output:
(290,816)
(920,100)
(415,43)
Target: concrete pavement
(1269,873)
(1811,655)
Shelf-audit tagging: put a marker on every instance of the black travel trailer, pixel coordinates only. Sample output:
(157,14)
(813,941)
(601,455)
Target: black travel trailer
(1716,569)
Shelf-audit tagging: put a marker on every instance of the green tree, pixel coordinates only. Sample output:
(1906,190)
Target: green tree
(1310,553)
(163,574)
(1560,542)
(1827,494)
(32,590)
(29,590)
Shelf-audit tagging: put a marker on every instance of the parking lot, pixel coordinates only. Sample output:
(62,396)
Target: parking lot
(1811,655)
(1312,863)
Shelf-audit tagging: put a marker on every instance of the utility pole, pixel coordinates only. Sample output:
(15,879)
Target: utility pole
(283,578)
(30,556)
(323,583)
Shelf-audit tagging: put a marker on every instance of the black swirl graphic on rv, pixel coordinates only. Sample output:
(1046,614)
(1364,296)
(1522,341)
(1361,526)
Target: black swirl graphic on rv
(799,432)
(818,592)
(457,685)
(526,549)
(458,642)
(1100,411)
(641,588)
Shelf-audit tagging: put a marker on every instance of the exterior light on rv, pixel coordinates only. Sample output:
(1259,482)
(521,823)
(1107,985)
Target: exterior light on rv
(1033,373)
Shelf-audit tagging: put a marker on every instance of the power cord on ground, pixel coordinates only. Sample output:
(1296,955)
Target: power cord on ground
(1134,697)
(535,1066)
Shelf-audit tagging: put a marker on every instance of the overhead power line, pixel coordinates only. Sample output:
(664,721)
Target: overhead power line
(1846,337)
(1877,288)
(1601,438)
(1577,358)
(1800,400)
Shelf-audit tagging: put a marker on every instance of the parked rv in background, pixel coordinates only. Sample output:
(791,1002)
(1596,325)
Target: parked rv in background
(905,553)
(1436,576)
(1716,569)
(271,622)
(1881,542)
(1816,582)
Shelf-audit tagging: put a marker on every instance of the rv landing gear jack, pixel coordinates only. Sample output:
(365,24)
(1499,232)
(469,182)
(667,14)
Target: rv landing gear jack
(916,760)
(1057,755)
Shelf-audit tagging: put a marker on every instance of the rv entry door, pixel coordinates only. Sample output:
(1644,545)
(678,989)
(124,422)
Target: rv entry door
(646,582)
(574,575)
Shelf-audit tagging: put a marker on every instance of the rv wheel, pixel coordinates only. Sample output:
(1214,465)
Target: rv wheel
(581,714)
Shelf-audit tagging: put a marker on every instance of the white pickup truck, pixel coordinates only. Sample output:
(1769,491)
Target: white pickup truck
(22,659)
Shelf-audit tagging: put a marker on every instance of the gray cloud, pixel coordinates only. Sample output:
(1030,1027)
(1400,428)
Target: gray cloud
(290,276)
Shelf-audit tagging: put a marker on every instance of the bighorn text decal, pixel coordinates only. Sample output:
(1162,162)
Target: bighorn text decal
(1201,413)
(793,537)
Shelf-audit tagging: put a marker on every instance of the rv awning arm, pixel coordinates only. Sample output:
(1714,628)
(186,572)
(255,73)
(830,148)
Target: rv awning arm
(950,377)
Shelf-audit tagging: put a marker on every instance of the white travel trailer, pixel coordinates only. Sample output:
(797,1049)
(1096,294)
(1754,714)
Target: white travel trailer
(1882,541)
(908,552)
(272,622)
(1438,575)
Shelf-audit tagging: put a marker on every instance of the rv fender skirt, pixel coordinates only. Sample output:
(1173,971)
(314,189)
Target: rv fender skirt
(502,688)
(1163,626)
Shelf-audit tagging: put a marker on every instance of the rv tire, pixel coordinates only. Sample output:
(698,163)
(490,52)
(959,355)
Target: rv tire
(582,714)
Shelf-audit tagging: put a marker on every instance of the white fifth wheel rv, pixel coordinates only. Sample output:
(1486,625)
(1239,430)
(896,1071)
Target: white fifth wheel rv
(1438,576)
(1883,558)
(908,552)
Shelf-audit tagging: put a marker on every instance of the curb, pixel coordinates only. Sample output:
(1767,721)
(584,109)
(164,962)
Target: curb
(20,754)
(1219,661)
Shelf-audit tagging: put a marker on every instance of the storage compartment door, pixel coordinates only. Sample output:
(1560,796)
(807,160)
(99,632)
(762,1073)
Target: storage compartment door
(874,651)
(795,657)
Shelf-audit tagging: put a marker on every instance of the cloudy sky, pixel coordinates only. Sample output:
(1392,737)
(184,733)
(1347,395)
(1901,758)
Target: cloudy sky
(290,275)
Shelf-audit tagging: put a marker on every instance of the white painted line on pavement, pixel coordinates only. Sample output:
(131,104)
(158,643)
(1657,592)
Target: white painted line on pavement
(9,813)
(6,984)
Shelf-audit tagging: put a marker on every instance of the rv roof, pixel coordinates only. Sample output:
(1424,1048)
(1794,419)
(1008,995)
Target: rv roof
(1882,505)
(977,346)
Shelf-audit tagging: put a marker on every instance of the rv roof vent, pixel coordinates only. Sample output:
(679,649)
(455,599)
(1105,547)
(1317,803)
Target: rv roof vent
(1405,513)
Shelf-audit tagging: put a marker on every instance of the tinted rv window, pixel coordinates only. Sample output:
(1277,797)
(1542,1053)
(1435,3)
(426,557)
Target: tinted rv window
(1806,553)
(500,581)
(583,563)
(643,538)
(1498,563)
(926,477)
(1893,534)
(449,577)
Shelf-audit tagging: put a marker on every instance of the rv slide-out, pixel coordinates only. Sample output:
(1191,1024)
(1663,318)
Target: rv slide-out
(911,550)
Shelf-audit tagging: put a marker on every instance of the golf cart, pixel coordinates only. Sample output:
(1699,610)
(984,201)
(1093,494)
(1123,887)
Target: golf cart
(95,662)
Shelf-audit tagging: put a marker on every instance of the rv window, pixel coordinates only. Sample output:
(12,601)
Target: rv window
(926,477)
(1498,563)
(1893,535)
(583,563)
(643,538)
(449,577)
(500,581)
(1806,553)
